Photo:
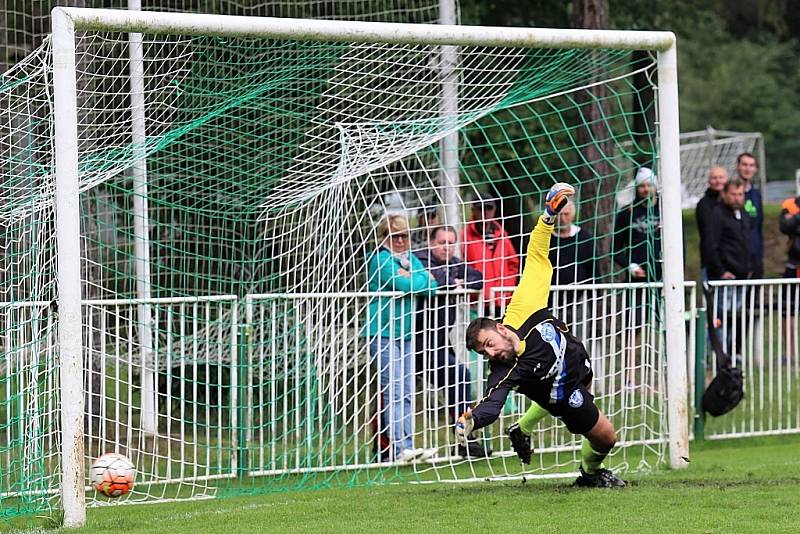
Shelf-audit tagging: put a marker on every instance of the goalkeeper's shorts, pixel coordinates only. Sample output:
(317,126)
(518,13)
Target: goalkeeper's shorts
(576,409)
(575,406)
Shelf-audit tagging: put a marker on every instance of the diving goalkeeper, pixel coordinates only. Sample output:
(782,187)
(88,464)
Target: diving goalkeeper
(533,352)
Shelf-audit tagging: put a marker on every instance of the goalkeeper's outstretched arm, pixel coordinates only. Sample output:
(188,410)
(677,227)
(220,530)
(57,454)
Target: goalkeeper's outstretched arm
(534,285)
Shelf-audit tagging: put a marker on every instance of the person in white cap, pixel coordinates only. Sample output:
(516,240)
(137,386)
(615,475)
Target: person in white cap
(637,252)
(637,232)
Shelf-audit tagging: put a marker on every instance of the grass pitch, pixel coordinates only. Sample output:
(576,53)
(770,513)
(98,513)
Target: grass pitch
(747,485)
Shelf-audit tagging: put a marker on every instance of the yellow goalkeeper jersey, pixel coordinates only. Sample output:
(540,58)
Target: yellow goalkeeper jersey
(534,284)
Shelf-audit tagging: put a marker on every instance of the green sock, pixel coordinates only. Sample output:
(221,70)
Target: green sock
(528,421)
(591,460)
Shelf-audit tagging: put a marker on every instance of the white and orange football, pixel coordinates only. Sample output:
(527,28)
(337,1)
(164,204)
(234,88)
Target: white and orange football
(113,474)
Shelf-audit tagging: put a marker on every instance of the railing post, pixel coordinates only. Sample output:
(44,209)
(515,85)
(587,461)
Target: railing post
(700,373)
(243,460)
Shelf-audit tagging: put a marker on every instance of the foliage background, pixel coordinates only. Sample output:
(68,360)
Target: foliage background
(739,60)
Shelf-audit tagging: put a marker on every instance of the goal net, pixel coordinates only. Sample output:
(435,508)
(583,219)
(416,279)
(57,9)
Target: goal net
(236,320)
(707,148)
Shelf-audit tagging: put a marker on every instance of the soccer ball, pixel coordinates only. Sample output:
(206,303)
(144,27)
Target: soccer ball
(113,474)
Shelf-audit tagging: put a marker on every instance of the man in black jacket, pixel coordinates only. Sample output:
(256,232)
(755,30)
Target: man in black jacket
(573,252)
(717,176)
(746,168)
(436,317)
(726,246)
(574,262)
(727,251)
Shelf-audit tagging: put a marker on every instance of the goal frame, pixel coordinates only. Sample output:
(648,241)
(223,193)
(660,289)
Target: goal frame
(65,22)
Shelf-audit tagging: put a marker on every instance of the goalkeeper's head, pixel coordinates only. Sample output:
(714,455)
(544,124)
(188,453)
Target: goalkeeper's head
(492,339)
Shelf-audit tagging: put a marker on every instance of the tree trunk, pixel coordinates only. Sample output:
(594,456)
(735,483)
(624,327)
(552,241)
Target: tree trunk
(598,185)
(4,31)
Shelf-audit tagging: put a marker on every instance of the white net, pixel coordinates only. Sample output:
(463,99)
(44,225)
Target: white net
(270,166)
(708,148)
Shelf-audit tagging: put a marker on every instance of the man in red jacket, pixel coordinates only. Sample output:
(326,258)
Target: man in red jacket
(488,249)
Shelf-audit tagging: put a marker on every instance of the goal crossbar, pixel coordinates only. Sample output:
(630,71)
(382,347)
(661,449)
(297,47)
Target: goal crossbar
(360,32)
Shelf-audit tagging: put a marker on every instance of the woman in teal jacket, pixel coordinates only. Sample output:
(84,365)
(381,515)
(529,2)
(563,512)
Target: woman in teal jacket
(390,332)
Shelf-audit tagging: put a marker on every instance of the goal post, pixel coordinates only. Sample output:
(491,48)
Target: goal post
(669,131)
(68,21)
(70,323)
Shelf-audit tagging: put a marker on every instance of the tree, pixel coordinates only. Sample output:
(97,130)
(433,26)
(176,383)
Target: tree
(596,178)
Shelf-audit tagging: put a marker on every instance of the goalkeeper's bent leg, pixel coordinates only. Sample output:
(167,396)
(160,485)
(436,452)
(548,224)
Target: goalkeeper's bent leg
(530,418)
(597,443)
(591,460)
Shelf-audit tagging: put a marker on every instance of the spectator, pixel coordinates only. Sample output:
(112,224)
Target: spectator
(435,321)
(727,231)
(727,252)
(573,259)
(717,176)
(427,219)
(790,225)
(488,249)
(746,168)
(637,249)
(389,331)
(572,253)
(637,232)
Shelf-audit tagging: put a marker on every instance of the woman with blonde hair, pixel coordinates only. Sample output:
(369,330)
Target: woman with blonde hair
(389,331)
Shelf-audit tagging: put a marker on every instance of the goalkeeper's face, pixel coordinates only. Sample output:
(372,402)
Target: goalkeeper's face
(496,344)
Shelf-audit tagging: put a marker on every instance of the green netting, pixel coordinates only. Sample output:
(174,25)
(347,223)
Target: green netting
(269,165)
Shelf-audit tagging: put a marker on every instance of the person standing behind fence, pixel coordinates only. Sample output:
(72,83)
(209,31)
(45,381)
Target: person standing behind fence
(746,168)
(488,249)
(436,319)
(728,253)
(637,249)
(790,225)
(637,232)
(389,331)
(572,254)
(717,176)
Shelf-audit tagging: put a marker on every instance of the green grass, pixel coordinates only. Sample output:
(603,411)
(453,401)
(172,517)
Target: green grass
(748,485)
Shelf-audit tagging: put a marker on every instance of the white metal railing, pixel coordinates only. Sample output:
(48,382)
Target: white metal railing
(758,325)
(29,385)
(290,386)
(622,326)
(194,349)
(315,388)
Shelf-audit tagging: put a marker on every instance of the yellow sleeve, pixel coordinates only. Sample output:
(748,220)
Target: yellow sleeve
(534,284)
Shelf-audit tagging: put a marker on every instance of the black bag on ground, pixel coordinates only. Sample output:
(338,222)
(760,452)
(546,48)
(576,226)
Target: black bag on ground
(726,391)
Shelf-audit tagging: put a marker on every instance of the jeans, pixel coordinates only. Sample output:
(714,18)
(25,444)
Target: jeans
(395,358)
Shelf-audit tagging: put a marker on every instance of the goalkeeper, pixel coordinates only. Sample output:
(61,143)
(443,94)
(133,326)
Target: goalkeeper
(533,352)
